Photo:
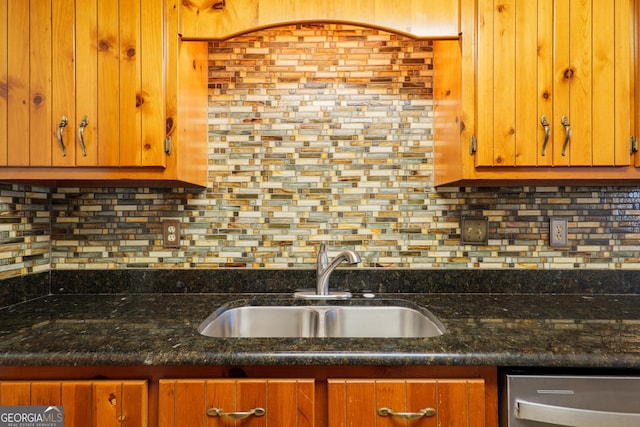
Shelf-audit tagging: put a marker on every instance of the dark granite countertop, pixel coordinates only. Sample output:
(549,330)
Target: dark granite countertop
(160,329)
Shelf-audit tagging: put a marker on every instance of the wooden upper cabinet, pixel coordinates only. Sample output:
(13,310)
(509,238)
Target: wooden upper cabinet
(253,402)
(83,83)
(218,19)
(441,402)
(85,403)
(554,83)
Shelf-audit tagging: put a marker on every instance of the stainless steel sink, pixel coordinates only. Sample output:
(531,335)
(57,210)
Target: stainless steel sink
(378,320)
(261,321)
(381,322)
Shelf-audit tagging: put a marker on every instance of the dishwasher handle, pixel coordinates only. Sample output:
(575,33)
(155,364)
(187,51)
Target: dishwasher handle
(573,417)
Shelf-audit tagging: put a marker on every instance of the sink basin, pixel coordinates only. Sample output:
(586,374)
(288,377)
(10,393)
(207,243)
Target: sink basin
(261,321)
(377,320)
(380,321)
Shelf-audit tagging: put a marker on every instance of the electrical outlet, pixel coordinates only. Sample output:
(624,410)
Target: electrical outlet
(171,233)
(474,230)
(558,232)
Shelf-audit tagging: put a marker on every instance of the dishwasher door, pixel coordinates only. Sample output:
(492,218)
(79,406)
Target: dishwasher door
(577,401)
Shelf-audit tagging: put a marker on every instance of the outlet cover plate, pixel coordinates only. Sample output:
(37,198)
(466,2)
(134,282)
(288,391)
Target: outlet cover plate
(558,230)
(171,233)
(474,230)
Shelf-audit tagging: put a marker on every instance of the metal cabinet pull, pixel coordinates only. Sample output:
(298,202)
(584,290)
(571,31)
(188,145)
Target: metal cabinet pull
(547,132)
(60,134)
(83,124)
(217,412)
(426,412)
(567,134)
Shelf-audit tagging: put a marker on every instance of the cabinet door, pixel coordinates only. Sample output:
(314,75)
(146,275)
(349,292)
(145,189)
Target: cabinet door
(563,64)
(593,71)
(192,403)
(444,402)
(82,83)
(85,403)
(119,89)
(514,81)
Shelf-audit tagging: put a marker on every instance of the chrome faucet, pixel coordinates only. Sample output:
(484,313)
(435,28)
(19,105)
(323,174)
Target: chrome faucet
(324,268)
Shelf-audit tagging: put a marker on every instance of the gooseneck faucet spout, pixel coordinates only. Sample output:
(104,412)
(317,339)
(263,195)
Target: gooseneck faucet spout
(324,268)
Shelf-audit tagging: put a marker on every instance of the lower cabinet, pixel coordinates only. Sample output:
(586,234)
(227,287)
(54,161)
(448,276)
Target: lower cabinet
(265,396)
(410,402)
(349,402)
(85,403)
(246,402)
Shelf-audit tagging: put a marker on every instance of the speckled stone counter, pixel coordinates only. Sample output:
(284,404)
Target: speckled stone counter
(160,329)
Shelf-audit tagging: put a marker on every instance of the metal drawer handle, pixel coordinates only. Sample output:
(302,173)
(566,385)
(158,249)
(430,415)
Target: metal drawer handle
(60,134)
(217,412)
(562,416)
(567,134)
(83,124)
(426,412)
(547,132)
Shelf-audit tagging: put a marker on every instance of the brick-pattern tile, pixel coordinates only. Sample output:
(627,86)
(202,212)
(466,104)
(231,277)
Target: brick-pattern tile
(24,230)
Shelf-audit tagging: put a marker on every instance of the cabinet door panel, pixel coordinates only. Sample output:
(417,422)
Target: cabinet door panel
(305,406)
(514,85)
(46,393)
(604,84)
(580,150)
(419,394)
(134,404)
(116,402)
(63,81)
(457,402)
(152,97)
(561,82)
(359,404)
(40,124)
(18,84)
(477,405)
(86,403)
(504,84)
(78,396)
(189,404)
(86,46)
(624,71)
(130,85)
(545,95)
(15,393)
(452,408)
(3,81)
(390,394)
(221,394)
(108,84)
(287,402)
(252,394)
(526,124)
(485,84)
(282,397)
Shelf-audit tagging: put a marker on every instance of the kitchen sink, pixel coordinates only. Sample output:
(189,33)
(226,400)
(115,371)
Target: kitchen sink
(381,322)
(378,320)
(261,321)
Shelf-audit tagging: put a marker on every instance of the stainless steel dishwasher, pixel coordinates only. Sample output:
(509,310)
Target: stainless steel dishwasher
(578,401)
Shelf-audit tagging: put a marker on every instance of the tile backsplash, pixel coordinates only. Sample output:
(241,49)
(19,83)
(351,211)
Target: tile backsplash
(317,133)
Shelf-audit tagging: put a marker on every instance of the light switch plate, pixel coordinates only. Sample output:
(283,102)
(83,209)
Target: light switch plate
(474,230)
